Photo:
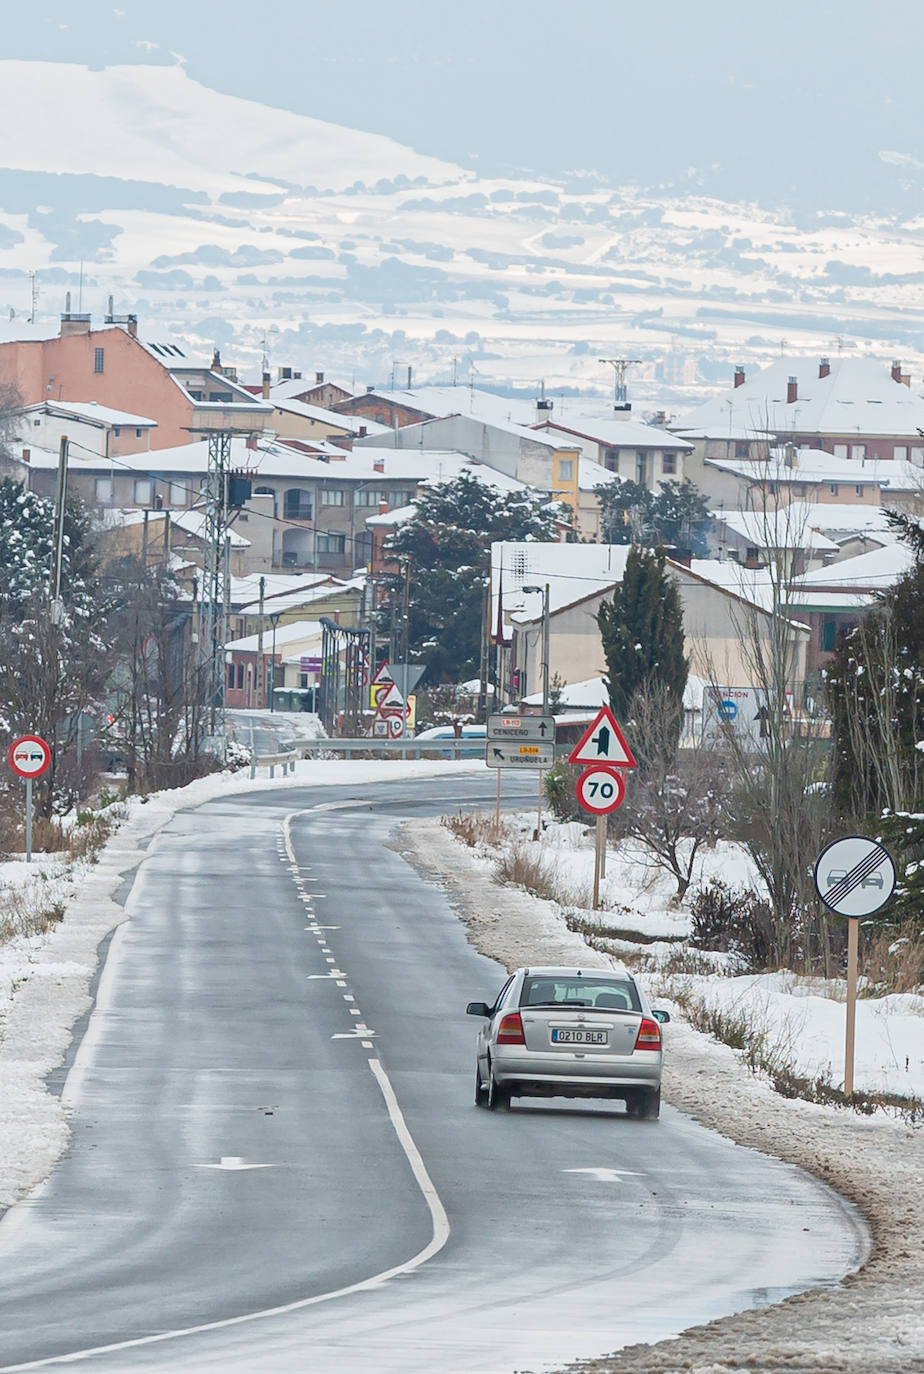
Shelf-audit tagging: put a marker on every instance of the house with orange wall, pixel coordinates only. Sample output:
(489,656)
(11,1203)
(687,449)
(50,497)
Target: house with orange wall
(115,368)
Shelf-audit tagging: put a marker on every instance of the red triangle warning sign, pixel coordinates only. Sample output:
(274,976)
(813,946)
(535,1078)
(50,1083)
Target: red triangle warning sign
(603,742)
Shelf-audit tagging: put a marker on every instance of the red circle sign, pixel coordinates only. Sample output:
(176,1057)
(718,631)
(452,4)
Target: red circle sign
(601,789)
(30,756)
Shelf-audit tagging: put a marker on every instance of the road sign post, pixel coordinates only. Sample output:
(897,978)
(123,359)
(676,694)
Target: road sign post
(29,757)
(854,877)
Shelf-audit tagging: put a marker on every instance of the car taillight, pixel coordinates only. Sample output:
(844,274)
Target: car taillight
(510,1030)
(649,1035)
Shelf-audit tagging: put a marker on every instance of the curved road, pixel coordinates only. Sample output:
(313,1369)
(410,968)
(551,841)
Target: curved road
(276,1164)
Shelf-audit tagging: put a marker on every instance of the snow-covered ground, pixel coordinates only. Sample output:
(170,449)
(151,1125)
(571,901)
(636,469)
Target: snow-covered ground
(803,1020)
(874,1321)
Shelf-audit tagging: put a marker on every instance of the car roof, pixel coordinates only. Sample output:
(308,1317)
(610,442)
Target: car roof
(557,971)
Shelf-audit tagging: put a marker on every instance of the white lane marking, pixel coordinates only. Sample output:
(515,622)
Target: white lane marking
(234,1162)
(606,1175)
(86,1050)
(355,1011)
(348,997)
(356,1033)
(341,983)
(438,1217)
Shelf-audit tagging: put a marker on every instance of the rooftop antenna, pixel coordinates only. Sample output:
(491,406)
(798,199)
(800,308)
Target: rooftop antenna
(80,289)
(33,279)
(620,392)
(455,366)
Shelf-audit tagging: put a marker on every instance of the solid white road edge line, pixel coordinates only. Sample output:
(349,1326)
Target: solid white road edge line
(436,1209)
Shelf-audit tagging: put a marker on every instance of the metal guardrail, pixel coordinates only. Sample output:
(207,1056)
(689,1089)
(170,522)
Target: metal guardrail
(409,748)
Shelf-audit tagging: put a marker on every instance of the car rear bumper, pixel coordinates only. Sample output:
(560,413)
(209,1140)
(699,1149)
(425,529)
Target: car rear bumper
(586,1073)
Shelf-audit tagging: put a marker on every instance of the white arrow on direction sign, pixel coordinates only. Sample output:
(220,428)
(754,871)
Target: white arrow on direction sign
(233,1162)
(606,1175)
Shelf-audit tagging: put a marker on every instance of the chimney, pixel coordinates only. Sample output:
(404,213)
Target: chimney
(383,507)
(410,373)
(216,362)
(824,368)
(318,378)
(792,390)
(896,371)
(378,465)
(739,375)
(251,442)
(131,324)
(363,431)
(27,455)
(265,391)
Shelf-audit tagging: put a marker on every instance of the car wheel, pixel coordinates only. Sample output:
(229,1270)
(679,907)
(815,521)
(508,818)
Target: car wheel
(649,1106)
(496,1095)
(481,1094)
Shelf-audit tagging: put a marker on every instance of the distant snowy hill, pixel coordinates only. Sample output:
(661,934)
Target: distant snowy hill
(156,124)
(221,221)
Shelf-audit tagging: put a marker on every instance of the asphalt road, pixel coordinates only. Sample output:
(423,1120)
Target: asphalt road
(276,1164)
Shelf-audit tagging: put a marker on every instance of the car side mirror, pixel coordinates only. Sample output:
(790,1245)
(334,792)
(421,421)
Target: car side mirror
(661,1016)
(477,1009)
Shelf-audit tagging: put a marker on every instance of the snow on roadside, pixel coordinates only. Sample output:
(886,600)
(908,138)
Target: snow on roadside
(802,1019)
(874,1320)
(45,979)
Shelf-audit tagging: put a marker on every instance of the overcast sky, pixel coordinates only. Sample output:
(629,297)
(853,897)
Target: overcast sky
(786,102)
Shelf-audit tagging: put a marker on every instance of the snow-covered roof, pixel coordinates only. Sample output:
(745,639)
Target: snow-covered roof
(439,401)
(247,588)
(783,528)
(814,465)
(838,521)
(192,521)
(92,412)
(297,632)
(288,601)
(592,475)
(350,424)
(591,694)
(876,570)
(615,433)
(572,572)
(391,518)
(859,396)
(289,388)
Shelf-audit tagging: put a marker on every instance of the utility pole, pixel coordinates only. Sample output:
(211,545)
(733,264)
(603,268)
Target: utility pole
(214,580)
(261,669)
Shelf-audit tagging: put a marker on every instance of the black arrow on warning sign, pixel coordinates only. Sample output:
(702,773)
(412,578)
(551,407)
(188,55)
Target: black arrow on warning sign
(602,740)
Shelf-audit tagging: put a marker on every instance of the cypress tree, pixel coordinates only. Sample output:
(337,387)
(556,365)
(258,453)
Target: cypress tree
(642,633)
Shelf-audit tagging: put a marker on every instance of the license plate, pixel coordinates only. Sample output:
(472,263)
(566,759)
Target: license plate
(578,1037)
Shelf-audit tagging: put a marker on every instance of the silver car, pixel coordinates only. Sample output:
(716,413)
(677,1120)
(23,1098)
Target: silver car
(570,1032)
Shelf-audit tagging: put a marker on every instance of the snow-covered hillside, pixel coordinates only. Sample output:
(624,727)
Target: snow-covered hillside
(221,221)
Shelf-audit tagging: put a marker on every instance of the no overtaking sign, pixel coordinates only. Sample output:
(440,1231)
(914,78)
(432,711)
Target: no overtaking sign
(855,876)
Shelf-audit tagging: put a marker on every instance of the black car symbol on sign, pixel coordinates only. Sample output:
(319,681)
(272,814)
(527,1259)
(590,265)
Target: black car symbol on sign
(836,875)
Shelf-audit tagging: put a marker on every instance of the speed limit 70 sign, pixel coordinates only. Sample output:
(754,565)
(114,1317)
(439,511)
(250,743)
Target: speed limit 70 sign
(601,789)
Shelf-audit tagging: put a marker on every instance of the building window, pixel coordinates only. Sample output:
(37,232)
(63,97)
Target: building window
(611,459)
(917,455)
(220,396)
(297,504)
(668,464)
(899,452)
(566,469)
(99,358)
(840,450)
(116,431)
(142,491)
(828,634)
(742,449)
(641,468)
(799,489)
(331,497)
(231,675)
(177,494)
(401,498)
(138,433)
(36,423)
(331,543)
(859,490)
(859,452)
(103,487)
(240,676)
(369,497)
(303,679)
(266,491)
(834,488)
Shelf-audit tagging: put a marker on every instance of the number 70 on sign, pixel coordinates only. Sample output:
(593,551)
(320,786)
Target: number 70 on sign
(601,789)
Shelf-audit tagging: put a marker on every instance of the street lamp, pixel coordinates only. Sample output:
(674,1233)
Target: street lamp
(545,642)
(274,619)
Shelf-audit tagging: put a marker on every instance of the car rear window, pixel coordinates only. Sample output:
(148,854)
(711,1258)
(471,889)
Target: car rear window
(603,994)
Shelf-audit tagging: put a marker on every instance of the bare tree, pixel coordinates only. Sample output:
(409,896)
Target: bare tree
(676,802)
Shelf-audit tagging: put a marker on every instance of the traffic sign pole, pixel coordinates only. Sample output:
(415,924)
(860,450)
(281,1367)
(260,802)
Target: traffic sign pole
(28,820)
(598,859)
(497,803)
(853,940)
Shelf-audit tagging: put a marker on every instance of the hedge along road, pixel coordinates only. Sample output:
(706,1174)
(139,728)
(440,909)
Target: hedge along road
(275,1155)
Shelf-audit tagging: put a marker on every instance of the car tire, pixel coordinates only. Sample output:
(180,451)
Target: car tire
(481,1092)
(649,1104)
(496,1096)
